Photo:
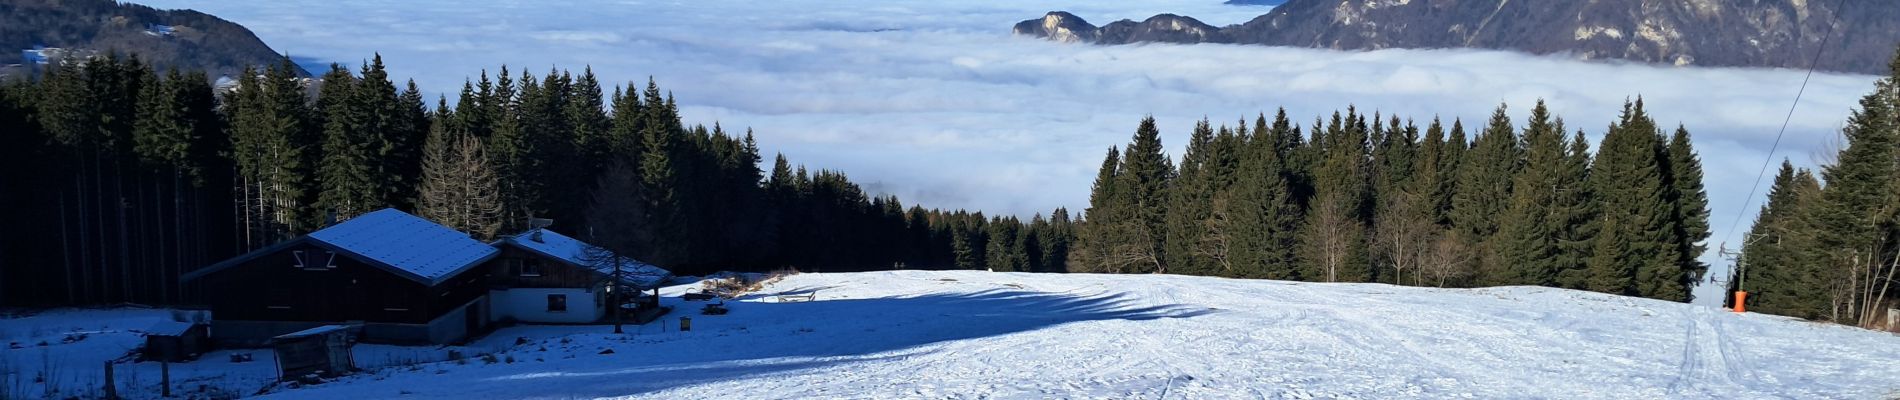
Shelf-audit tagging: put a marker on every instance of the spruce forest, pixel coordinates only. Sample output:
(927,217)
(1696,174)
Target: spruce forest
(119,178)
(1365,198)
(1832,252)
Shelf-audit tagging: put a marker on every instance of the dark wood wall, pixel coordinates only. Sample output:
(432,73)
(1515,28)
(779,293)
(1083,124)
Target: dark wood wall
(271,288)
(505,271)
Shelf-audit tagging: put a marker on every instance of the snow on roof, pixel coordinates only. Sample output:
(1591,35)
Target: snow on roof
(573,251)
(314,331)
(407,244)
(169,328)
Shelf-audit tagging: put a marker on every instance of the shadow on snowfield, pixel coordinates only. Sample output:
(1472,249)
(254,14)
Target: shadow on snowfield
(760,338)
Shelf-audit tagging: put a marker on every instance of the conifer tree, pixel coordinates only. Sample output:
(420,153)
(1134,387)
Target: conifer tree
(1218,236)
(1484,177)
(1189,205)
(277,152)
(1094,240)
(1004,248)
(1056,242)
(1265,217)
(1574,212)
(588,118)
(1691,210)
(1848,219)
(1773,270)
(1432,179)
(409,135)
(390,133)
(1142,190)
(345,171)
(965,251)
(1636,250)
(1530,225)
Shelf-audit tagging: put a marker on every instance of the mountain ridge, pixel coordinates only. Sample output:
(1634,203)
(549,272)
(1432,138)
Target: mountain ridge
(184,39)
(1740,33)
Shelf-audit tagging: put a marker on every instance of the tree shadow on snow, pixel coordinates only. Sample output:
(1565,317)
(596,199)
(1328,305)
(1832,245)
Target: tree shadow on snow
(763,338)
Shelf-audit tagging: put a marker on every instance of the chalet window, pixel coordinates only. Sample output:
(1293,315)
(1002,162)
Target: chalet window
(309,261)
(530,267)
(557,303)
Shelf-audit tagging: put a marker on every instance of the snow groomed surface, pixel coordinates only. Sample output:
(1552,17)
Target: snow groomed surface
(914,334)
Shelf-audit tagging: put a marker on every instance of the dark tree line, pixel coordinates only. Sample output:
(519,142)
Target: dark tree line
(1365,198)
(114,182)
(1832,252)
(117,179)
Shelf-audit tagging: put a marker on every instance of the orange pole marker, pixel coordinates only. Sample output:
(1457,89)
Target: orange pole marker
(1741,301)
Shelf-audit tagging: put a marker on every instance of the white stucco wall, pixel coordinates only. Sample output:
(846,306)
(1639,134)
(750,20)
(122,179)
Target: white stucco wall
(531,305)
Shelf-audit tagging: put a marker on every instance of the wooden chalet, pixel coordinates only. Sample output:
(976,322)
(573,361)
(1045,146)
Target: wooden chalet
(545,277)
(402,279)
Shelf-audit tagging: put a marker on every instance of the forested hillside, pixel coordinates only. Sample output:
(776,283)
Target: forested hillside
(144,177)
(182,39)
(118,179)
(1833,252)
(1365,198)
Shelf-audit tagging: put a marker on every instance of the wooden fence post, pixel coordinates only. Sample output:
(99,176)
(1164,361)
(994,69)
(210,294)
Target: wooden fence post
(165,378)
(112,389)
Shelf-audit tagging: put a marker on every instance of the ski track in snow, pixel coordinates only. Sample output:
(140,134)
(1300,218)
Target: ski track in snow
(980,335)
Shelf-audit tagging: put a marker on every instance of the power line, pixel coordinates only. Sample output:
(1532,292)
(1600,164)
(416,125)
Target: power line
(1838,8)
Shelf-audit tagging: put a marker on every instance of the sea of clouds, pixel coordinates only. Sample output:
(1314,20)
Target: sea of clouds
(937,103)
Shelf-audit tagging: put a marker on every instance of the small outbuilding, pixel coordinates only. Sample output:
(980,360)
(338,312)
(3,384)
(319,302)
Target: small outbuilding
(322,351)
(176,341)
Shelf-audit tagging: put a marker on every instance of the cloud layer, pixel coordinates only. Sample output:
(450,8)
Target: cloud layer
(937,103)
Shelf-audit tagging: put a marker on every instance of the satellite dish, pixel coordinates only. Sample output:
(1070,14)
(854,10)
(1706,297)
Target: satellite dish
(538,223)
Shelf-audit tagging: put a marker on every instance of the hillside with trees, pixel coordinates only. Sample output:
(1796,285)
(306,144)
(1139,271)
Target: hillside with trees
(1366,198)
(124,178)
(183,39)
(121,178)
(1826,246)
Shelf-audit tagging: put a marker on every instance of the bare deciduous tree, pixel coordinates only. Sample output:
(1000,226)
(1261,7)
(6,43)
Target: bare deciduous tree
(1403,234)
(459,186)
(1447,259)
(1330,236)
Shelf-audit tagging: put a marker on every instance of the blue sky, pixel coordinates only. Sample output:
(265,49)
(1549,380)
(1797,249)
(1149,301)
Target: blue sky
(937,103)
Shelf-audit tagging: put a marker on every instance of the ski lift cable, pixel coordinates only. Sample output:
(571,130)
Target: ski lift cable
(1770,159)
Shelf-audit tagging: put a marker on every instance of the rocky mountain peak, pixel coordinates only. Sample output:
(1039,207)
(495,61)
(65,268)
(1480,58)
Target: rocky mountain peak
(1730,33)
(1059,26)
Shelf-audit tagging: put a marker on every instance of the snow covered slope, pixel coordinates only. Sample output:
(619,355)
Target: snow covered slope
(1006,335)
(937,335)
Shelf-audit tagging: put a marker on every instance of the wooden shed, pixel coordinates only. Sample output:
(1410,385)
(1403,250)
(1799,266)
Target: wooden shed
(176,341)
(322,351)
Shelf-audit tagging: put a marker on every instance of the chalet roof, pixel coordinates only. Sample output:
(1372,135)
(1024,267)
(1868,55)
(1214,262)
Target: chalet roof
(406,244)
(574,252)
(169,328)
(395,241)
